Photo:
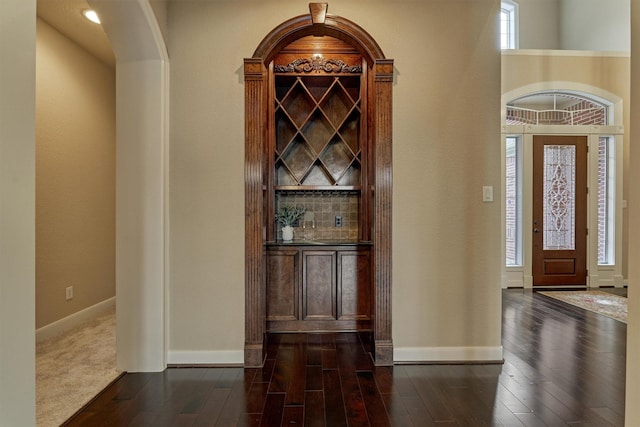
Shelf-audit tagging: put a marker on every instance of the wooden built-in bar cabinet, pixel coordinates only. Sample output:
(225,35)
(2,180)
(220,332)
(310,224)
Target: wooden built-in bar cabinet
(318,129)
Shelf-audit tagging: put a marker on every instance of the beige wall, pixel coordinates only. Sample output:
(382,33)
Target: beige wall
(446,244)
(17,212)
(610,74)
(632,409)
(538,24)
(75,177)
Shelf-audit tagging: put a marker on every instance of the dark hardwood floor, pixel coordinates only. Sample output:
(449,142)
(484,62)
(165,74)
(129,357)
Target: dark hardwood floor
(563,366)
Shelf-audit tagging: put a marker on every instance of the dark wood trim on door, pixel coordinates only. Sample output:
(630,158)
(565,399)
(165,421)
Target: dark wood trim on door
(255,80)
(382,211)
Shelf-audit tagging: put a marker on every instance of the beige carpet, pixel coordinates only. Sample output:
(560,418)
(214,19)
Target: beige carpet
(600,302)
(71,369)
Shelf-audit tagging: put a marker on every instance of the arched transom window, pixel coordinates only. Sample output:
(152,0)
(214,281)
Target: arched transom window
(556,108)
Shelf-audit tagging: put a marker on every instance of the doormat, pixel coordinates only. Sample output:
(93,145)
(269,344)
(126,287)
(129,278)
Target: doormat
(604,303)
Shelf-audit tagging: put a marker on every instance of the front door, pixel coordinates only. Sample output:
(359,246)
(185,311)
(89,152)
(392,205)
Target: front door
(559,210)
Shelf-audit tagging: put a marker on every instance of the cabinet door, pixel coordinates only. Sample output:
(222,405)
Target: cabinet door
(282,287)
(319,285)
(354,285)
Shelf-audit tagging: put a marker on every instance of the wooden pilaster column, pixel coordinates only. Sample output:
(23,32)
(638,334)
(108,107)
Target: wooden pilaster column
(255,79)
(383,83)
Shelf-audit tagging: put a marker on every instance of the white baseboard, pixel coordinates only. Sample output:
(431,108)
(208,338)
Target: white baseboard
(222,357)
(447,354)
(400,355)
(60,326)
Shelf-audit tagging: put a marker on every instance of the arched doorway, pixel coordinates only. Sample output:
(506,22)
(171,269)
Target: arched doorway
(142,143)
(369,153)
(565,111)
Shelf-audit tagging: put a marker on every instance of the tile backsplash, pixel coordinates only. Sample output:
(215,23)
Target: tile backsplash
(321,211)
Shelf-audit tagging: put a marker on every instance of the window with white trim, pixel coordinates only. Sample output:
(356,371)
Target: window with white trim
(606,200)
(508,25)
(513,199)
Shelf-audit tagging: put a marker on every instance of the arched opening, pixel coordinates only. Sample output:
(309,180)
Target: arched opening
(329,64)
(141,183)
(564,110)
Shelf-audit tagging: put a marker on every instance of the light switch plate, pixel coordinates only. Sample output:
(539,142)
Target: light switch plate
(487,193)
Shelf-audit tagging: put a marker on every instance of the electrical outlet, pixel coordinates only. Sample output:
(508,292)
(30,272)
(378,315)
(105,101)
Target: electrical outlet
(69,293)
(338,221)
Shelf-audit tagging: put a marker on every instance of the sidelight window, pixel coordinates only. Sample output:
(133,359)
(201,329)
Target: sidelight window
(606,198)
(513,201)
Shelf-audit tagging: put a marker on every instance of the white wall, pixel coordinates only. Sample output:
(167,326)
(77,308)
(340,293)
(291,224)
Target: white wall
(17,212)
(602,25)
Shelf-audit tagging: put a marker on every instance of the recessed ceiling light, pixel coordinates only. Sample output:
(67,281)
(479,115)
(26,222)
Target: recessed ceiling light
(91,15)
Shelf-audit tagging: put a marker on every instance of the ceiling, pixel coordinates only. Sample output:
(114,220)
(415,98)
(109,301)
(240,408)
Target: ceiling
(66,17)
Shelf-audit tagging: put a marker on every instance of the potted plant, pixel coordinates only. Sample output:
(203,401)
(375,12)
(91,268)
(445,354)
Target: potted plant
(287,216)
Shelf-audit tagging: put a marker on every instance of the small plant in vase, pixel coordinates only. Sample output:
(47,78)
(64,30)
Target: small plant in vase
(287,216)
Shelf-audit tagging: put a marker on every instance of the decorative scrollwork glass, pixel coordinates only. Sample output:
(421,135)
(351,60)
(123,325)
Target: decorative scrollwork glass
(559,197)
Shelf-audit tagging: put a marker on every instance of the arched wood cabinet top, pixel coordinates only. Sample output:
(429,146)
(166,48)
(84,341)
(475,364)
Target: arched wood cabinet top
(334,26)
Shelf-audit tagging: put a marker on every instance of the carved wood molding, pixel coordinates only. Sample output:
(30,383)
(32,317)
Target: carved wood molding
(335,26)
(317,64)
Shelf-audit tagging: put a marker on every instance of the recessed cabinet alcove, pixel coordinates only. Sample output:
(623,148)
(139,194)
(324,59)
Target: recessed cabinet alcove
(318,134)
